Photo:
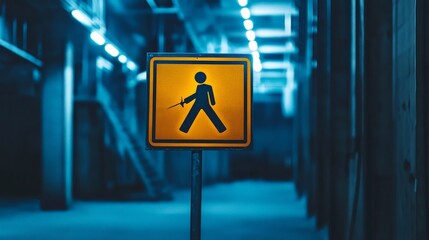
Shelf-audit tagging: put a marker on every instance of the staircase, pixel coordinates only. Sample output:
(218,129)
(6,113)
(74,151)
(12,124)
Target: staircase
(141,159)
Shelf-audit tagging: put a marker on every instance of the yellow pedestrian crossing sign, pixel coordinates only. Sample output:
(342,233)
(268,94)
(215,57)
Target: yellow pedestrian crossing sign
(199,100)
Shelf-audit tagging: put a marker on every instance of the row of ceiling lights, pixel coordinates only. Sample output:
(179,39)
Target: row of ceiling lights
(100,40)
(250,35)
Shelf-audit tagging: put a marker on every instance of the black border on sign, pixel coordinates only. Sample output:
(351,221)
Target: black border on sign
(196,61)
(155,63)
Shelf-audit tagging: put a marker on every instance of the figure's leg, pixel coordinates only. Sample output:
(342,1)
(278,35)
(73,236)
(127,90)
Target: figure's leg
(186,125)
(215,119)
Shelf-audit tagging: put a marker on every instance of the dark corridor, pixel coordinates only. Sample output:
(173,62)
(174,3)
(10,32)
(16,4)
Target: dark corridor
(339,120)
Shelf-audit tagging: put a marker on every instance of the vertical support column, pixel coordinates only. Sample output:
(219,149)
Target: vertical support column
(379,161)
(357,196)
(86,85)
(323,115)
(404,114)
(311,122)
(298,163)
(341,62)
(88,128)
(3,24)
(302,118)
(422,125)
(57,123)
(196,196)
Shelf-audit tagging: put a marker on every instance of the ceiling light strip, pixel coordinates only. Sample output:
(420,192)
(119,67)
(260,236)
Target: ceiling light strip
(97,37)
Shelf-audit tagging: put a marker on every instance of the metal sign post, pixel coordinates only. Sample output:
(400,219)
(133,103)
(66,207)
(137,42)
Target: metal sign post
(196,187)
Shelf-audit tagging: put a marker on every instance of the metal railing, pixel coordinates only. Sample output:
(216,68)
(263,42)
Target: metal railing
(141,160)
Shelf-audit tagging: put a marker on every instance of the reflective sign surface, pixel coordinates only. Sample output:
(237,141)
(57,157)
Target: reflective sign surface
(199,100)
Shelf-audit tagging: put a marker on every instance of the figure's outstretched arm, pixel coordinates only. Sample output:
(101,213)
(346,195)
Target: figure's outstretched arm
(190,98)
(211,95)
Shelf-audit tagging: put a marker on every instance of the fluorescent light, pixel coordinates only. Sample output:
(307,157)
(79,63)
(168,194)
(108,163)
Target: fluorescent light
(272,73)
(273,33)
(253,45)
(131,65)
(256,61)
(110,49)
(142,76)
(255,54)
(122,59)
(97,38)
(277,49)
(250,35)
(81,17)
(275,65)
(245,13)
(248,24)
(257,66)
(274,8)
(242,3)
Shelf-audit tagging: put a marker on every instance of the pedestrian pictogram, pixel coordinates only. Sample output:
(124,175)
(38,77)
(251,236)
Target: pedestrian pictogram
(204,98)
(215,100)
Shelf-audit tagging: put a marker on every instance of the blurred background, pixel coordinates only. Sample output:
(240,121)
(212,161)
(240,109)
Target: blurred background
(340,120)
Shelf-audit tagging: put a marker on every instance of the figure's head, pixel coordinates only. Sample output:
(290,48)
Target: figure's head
(200,77)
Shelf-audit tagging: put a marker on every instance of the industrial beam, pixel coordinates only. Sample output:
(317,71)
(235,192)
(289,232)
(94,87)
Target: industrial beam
(260,9)
(20,53)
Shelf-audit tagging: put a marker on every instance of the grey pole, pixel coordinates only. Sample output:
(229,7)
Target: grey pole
(196,187)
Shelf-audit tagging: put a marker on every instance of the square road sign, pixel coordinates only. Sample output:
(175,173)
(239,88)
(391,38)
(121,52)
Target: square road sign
(199,100)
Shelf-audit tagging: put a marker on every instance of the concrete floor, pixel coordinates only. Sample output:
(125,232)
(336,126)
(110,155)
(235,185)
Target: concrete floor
(242,210)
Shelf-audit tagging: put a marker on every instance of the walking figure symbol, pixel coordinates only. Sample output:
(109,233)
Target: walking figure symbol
(204,99)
